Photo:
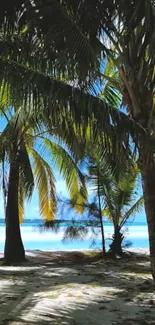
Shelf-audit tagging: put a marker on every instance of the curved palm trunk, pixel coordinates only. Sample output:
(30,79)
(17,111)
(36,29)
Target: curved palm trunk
(14,250)
(148,182)
(116,245)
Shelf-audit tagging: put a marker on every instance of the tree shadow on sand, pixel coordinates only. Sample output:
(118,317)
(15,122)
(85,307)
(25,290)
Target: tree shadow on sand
(72,289)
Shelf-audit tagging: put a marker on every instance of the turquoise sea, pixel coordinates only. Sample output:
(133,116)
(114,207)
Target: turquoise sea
(33,238)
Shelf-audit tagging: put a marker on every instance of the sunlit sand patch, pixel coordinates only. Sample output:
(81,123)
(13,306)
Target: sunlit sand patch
(104,293)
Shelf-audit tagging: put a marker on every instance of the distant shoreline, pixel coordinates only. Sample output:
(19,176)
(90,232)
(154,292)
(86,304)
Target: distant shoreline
(40,221)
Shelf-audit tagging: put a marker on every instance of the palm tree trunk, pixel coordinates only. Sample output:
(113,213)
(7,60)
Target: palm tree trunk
(14,250)
(116,245)
(148,182)
(100,216)
(102,233)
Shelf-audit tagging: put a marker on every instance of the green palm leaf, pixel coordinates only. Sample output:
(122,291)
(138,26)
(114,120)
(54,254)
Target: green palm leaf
(45,183)
(137,206)
(67,167)
(25,171)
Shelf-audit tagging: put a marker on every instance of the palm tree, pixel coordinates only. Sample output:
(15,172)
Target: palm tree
(76,30)
(133,57)
(24,147)
(114,186)
(33,90)
(120,204)
(113,195)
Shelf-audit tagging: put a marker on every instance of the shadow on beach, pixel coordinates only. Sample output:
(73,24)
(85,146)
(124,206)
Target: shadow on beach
(74,288)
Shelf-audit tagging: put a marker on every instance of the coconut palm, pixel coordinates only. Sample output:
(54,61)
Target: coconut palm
(86,33)
(113,186)
(113,195)
(120,205)
(49,100)
(133,57)
(31,154)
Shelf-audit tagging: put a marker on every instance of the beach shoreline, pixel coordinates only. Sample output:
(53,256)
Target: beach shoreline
(136,235)
(41,252)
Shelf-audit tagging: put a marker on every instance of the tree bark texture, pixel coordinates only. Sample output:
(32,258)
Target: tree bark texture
(147,165)
(116,245)
(101,220)
(14,249)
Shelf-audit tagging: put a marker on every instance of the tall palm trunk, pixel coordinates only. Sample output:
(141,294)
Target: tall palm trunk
(100,216)
(14,250)
(148,182)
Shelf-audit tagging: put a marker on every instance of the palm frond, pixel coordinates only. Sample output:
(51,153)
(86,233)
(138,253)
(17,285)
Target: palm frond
(68,168)
(137,206)
(45,183)
(106,212)
(25,171)
(54,98)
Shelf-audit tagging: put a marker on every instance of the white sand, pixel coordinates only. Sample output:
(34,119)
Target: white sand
(68,288)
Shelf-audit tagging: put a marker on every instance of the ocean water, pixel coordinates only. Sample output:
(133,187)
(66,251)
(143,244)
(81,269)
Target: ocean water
(33,238)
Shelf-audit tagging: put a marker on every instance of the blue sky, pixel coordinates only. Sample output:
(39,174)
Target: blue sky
(32,207)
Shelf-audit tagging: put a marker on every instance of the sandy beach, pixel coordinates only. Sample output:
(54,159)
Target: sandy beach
(77,288)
